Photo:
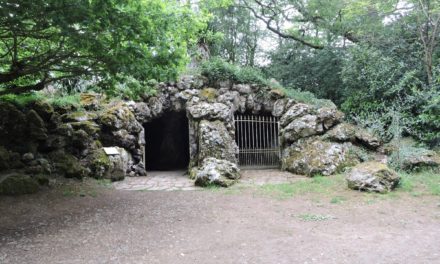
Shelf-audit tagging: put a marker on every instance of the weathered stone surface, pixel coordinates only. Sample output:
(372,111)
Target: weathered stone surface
(210,111)
(313,156)
(4,158)
(36,126)
(68,165)
(90,127)
(216,142)
(372,177)
(295,111)
(142,112)
(119,117)
(349,133)
(216,172)
(279,107)
(91,101)
(12,126)
(242,88)
(17,184)
(417,158)
(329,116)
(79,116)
(304,126)
(44,109)
(113,167)
(121,164)
(209,94)
(28,157)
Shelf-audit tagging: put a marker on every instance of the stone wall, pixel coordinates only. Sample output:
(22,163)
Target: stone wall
(39,139)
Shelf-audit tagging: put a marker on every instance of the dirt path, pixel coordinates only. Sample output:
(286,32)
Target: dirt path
(212,226)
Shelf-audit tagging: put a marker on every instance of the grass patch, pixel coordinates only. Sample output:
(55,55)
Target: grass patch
(23,100)
(307,98)
(338,200)
(420,183)
(318,184)
(314,218)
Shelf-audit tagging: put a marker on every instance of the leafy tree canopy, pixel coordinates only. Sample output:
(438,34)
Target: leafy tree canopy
(42,41)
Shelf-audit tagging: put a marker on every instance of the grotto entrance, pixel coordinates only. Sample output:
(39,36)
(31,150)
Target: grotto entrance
(167,143)
(258,141)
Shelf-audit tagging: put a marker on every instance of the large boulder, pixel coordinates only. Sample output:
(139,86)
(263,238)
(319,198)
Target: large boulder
(44,109)
(349,133)
(302,127)
(114,167)
(302,120)
(216,172)
(119,117)
(415,158)
(314,156)
(17,183)
(216,142)
(13,126)
(210,111)
(4,158)
(36,126)
(372,177)
(68,165)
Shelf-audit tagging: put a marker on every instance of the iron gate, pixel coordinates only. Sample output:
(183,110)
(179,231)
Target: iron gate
(258,141)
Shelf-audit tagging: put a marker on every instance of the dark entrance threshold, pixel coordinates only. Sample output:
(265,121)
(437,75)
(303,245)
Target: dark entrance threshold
(167,143)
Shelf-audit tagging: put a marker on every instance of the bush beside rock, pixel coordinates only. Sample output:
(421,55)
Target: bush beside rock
(16,184)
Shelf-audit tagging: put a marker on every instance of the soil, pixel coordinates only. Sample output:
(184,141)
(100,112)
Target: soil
(103,225)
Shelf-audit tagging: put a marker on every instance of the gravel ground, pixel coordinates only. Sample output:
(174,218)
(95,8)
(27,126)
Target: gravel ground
(103,225)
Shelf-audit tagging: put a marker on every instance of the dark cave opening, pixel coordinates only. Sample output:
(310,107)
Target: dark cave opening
(167,142)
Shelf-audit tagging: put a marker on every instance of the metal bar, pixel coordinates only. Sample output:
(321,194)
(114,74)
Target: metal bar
(258,141)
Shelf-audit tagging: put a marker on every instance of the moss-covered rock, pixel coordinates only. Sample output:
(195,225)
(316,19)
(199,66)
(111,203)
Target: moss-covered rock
(44,109)
(78,116)
(119,117)
(16,184)
(4,159)
(68,165)
(90,127)
(372,177)
(216,142)
(209,94)
(99,164)
(36,125)
(13,126)
(314,156)
(216,172)
(277,93)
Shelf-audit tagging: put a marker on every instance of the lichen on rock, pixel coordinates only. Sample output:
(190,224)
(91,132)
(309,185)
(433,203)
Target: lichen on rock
(216,172)
(372,177)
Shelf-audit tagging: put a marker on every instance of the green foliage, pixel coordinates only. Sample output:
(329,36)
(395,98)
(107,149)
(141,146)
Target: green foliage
(307,98)
(45,41)
(25,99)
(130,88)
(217,69)
(315,71)
(385,94)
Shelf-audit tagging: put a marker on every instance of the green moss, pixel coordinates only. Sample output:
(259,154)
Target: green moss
(17,184)
(99,164)
(78,116)
(88,126)
(209,94)
(4,158)
(68,165)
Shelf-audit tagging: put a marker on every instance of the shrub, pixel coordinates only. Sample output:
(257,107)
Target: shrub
(217,69)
